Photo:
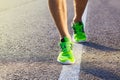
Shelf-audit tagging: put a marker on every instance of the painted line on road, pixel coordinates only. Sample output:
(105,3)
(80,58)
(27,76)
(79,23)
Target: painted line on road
(71,72)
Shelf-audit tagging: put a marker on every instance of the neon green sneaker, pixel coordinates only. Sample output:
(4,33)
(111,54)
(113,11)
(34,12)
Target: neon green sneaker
(79,33)
(66,55)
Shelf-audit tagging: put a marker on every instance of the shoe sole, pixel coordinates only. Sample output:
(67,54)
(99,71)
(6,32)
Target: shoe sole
(78,41)
(66,63)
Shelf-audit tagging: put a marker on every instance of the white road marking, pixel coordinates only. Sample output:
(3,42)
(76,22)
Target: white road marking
(71,72)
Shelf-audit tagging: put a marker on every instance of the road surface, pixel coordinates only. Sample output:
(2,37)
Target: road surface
(29,41)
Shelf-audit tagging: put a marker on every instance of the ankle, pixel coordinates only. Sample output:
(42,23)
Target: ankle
(67,36)
(77,20)
(65,39)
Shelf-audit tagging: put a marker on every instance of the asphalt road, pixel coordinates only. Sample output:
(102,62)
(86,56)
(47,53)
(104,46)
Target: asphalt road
(101,59)
(29,41)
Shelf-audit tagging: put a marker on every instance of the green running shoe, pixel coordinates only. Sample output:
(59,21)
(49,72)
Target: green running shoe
(66,55)
(79,33)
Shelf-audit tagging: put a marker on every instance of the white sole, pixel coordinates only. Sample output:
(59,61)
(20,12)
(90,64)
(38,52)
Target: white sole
(66,63)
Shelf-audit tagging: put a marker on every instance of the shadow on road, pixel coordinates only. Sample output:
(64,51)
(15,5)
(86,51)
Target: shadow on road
(101,73)
(98,46)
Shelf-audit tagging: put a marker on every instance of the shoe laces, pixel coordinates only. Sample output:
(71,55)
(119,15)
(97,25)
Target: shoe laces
(78,27)
(65,44)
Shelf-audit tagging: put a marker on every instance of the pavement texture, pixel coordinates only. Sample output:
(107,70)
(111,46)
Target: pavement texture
(101,59)
(29,41)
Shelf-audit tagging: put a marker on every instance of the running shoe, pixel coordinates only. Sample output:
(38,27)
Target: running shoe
(79,33)
(66,55)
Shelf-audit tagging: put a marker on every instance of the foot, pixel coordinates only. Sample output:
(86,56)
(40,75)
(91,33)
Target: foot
(79,33)
(66,55)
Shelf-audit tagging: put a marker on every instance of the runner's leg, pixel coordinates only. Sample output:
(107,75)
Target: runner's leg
(79,7)
(59,13)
